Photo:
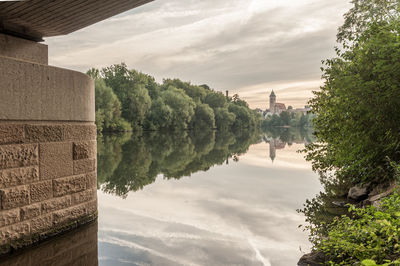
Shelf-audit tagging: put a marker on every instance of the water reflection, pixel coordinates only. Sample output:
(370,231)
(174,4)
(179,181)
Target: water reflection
(236,208)
(278,138)
(128,163)
(78,247)
(321,210)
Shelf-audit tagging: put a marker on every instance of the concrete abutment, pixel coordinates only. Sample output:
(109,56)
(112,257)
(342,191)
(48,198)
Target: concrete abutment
(48,181)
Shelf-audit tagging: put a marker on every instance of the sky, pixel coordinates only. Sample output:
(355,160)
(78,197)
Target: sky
(248,47)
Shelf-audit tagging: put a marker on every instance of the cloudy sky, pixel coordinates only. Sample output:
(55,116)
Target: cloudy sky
(244,46)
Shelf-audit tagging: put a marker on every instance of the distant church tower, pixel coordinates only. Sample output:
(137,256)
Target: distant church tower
(272,101)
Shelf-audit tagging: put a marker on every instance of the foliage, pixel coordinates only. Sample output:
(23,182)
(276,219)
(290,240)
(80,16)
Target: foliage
(356,118)
(108,109)
(132,89)
(368,234)
(241,113)
(182,107)
(172,105)
(159,116)
(357,127)
(292,119)
(223,118)
(369,262)
(197,93)
(363,13)
(204,116)
(215,100)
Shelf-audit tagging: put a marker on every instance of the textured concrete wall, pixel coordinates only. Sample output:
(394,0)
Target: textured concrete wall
(47,149)
(23,49)
(30,91)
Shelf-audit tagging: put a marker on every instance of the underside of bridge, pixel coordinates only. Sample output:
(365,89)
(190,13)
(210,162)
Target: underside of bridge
(48,182)
(35,19)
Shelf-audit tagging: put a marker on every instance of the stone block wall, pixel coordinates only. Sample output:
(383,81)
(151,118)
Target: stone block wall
(47,180)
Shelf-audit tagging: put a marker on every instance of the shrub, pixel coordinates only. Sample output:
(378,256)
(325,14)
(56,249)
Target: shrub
(367,235)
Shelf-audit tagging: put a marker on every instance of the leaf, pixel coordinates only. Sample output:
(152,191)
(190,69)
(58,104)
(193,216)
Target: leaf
(368,263)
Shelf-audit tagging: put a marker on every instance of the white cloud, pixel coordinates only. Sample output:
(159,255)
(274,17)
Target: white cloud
(238,45)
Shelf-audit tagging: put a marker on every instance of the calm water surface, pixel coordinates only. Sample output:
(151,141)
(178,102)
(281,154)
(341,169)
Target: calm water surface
(202,198)
(224,201)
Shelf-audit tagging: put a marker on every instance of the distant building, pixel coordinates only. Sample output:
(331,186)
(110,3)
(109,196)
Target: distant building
(304,110)
(274,107)
(278,108)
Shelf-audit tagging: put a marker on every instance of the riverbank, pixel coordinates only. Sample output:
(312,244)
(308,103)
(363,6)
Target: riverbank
(366,235)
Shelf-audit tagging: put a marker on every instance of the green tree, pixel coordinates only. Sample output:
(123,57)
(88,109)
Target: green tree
(137,104)
(172,105)
(182,107)
(215,100)
(236,100)
(223,118)
(362,15)
(303,120)
(197,93)
(132,89)
(108,109)
(356,120)
(203,117)
(242,116)
(160,115)
(285,117)
(94,73)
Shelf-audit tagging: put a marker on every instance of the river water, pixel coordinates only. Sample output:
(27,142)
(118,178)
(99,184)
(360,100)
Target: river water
(195,199)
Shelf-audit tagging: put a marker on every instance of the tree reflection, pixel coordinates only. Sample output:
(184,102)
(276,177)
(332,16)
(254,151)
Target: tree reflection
(278,138)
(330,203)
(130,162)
(320,211)
(323,208)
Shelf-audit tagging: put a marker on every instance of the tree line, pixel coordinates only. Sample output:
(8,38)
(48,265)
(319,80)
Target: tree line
(130,100)
(288,119)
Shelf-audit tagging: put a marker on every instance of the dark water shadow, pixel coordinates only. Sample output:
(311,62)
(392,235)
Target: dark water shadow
(75,248)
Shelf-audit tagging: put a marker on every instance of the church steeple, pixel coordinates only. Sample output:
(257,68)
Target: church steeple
(272,101)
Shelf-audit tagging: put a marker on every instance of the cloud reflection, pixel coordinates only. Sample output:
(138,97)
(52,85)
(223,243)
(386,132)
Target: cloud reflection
(225,216)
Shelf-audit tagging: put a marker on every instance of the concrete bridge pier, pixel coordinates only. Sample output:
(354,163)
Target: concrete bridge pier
(48,178)
(47,146)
